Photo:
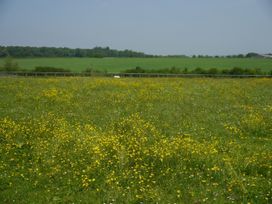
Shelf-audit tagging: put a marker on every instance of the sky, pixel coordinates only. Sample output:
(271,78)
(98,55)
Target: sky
(212,27)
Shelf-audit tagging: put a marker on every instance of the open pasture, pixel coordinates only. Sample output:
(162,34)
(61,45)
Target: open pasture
(121,64)
(103,140)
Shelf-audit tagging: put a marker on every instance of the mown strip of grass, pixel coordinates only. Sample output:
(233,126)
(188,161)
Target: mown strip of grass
(122,64)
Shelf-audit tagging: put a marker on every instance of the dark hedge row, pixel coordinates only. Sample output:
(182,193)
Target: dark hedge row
(213,71)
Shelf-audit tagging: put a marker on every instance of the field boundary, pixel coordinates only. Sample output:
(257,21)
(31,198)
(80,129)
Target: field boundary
(133,75)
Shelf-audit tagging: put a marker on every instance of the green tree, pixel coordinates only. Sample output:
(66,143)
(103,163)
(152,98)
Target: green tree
(10,65)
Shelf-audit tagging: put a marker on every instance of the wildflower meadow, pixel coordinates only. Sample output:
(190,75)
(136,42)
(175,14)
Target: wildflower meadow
(130,140)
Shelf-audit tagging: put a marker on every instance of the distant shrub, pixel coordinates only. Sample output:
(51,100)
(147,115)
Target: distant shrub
(236,71)
(199,71)
(50,69)
(10,65)
(98,55)
(247,71)
(258,71)
(185,71)
(225,71)
(174,70)
(213,71)
(135,70)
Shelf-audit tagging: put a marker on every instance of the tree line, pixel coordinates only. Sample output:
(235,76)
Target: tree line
(99,52)
(248,55)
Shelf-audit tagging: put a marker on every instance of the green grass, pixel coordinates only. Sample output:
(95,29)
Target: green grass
(105,140)
(120,64)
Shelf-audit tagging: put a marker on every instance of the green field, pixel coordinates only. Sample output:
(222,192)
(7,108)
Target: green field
(104,140)
(121,64)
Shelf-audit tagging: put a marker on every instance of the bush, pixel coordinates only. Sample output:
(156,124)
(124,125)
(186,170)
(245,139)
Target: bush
(135,70)
(225,71)
(174,70)
(10,65)
(199,71)
(50,69)
(258,71)
(185,70)
(247,71)
(213,71)
(236,71)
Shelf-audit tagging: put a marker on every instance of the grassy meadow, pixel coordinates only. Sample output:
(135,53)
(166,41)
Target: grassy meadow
(121,64)
(105,140)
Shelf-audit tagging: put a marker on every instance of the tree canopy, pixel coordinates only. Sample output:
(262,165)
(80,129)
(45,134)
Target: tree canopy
(99,52)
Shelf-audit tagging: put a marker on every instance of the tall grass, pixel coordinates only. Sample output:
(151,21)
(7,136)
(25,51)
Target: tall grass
(95,140)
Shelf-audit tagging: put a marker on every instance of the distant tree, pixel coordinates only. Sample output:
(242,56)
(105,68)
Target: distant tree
(185,70)
(139,70)
(252,54)
(199,70)
(78,53)
(136,70)
(10,65)
(225,71)
(3,52)
(240,56)
(236,71)
(50,69)
(20,51)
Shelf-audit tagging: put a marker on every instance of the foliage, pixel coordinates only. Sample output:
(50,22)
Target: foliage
(101,140)
(212,71)
(136,70)
(98,52)
(10,65)
(50,69)
(253,55)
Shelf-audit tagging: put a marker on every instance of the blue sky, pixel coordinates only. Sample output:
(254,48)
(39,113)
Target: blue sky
(152,26)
